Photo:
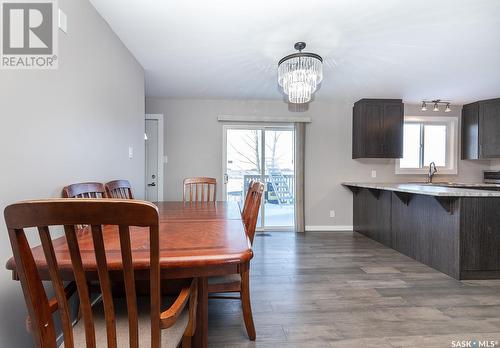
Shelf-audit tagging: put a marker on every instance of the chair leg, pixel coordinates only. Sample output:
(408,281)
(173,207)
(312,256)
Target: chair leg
(186,342)
(245,301)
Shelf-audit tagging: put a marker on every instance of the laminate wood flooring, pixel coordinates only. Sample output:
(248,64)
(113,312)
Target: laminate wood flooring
(341,289)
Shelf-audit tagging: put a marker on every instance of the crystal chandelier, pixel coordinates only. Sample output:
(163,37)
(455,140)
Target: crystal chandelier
(300,74)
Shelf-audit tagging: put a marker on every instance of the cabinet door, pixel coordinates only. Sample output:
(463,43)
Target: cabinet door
(470,124)
(374,138)
(489,131)
(358,133)
(392,130)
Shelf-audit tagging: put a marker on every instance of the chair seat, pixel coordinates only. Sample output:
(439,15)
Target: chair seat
(170,338)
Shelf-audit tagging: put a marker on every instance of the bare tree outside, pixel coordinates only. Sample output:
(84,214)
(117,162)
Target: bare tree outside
(272,147)
(249,153)
(262,154)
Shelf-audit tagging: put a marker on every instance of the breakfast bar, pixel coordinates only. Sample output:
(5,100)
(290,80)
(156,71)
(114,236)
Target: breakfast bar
(453,228)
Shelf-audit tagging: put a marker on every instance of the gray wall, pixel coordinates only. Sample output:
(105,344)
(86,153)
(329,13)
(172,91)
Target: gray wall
(69,125)
(192,132)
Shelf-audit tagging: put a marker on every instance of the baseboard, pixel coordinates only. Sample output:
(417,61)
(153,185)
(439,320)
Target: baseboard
(332,228)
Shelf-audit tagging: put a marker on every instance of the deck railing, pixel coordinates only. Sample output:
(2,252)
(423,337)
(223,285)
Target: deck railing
(290,179)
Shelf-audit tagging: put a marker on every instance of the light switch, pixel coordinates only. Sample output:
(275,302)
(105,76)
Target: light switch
(130,152)
(374,173)
(332,213)
(63,21)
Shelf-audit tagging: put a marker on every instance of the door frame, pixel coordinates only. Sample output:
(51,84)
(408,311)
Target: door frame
(161,169)
(263,127)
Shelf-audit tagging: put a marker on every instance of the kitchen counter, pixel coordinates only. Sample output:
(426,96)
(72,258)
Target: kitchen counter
(436,189)
(452,227)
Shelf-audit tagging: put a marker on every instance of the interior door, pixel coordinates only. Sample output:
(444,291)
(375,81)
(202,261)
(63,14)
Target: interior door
(151,160)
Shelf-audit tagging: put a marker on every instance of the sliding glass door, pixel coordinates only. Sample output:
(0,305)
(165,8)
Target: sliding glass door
(264,153)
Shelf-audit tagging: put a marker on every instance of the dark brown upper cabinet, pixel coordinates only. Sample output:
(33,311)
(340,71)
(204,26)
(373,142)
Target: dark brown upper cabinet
(377,128)
(481,130)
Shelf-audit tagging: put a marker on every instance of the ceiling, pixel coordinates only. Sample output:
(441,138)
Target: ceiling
(413,49)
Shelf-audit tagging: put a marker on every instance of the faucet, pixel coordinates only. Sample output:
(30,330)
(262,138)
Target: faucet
(432,171)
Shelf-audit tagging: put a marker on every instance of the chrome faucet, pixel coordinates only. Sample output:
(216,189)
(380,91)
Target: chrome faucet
(432,171)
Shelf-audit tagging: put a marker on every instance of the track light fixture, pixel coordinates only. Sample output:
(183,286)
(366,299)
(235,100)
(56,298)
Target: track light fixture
(436,103)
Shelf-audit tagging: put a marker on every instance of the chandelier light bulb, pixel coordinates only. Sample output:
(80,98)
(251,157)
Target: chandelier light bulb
(448,109)
(436,107)
(424,106)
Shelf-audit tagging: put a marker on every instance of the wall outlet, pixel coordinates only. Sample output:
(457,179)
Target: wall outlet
(332,213)
(130,152)
(374,173)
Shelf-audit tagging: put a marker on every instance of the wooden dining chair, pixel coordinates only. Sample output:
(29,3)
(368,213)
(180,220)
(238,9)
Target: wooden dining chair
(240,283)
(132,322)
(119,189)
(246,210)
(199,189)
(85,190)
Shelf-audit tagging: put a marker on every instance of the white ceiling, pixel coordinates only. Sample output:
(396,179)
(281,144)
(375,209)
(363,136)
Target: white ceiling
(413,49)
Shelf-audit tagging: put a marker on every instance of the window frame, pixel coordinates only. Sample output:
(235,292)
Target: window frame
(451,123)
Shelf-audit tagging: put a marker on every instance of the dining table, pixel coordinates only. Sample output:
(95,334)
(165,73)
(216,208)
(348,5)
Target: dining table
(197,240)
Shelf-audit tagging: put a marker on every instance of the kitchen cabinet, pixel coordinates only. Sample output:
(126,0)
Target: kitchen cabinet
(373,215)
(377,130)
(481,130)
(458,234)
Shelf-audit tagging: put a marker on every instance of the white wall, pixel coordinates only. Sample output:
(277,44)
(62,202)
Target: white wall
(64,126)
(192,132)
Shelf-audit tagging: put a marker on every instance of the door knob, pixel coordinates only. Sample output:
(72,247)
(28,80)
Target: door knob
(152,184)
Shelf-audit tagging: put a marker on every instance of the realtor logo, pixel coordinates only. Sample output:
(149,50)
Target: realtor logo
(29,34)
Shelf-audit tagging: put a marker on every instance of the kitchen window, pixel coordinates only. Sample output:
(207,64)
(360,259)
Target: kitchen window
(426,140)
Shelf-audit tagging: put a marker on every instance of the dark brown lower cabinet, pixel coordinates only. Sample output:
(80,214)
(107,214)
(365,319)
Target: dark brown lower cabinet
(459,236)
(373,215)
(424,231)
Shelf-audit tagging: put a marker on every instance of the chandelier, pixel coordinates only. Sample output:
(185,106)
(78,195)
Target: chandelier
(299,74)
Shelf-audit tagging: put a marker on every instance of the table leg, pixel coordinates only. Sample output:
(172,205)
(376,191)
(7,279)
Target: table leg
(200,338)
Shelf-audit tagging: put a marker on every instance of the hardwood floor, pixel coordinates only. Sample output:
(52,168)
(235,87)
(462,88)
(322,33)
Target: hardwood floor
(342,289)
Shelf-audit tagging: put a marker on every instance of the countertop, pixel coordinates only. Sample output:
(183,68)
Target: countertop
(436,189)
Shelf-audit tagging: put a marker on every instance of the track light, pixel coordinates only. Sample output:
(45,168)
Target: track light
(436,103)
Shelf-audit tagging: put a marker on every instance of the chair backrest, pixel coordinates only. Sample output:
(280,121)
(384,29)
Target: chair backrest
(93,212)
(253,207)
(245,213)
(119,189)
(194,190)
(85,190)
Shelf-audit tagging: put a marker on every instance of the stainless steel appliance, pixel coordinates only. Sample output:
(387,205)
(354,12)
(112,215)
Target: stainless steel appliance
(491,176)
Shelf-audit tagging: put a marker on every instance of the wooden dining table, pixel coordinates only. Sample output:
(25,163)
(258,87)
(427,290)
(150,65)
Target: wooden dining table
(197,240)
